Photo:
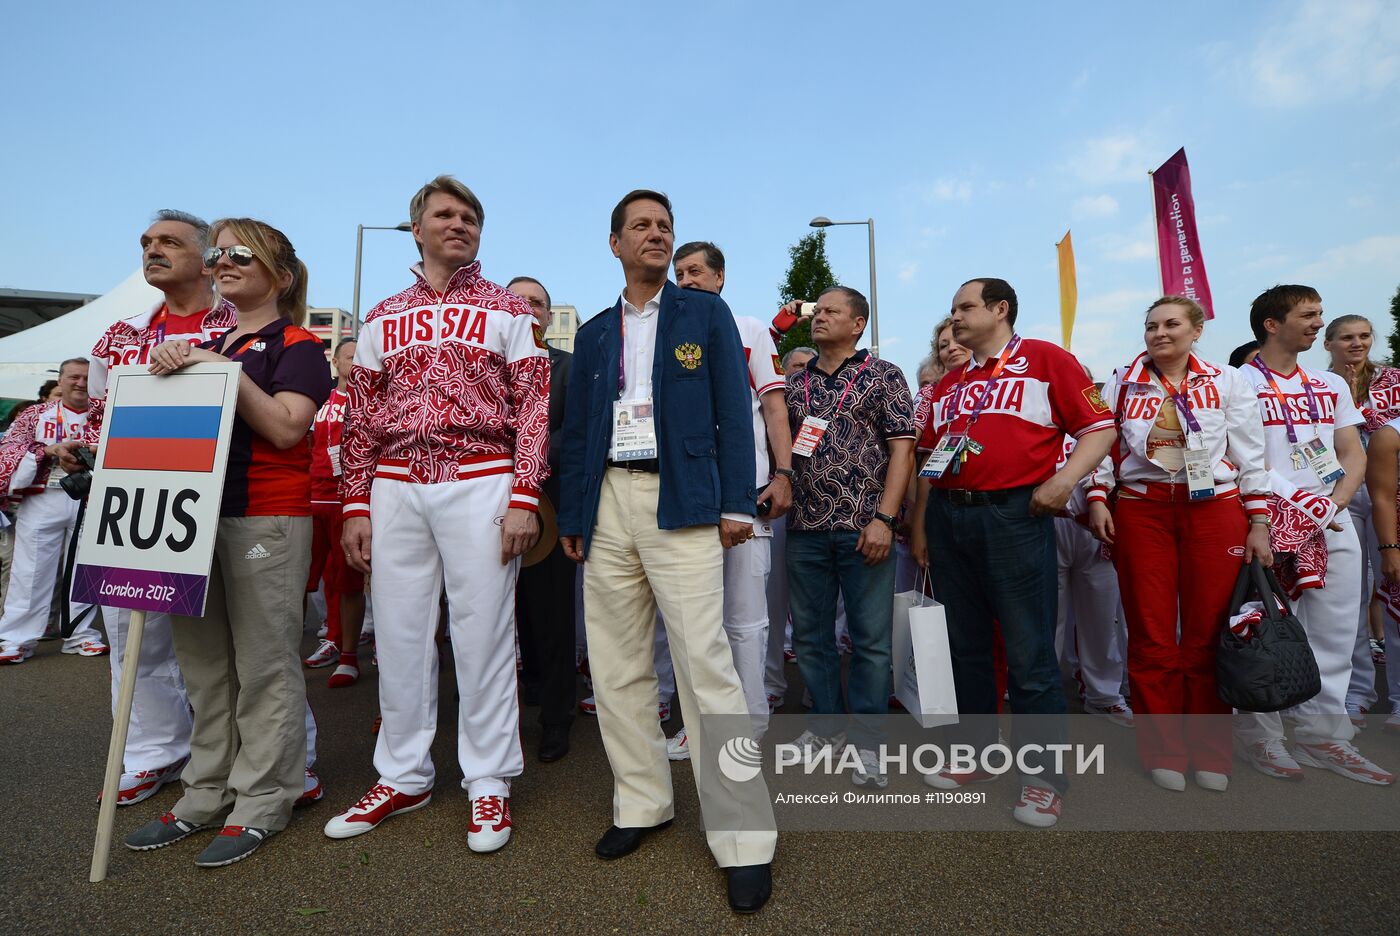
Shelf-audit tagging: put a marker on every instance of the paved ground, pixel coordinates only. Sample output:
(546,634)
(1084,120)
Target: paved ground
(416,875)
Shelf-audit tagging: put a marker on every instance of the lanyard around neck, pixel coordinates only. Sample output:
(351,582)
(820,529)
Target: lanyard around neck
(1313,416)
(981,403)
(1178,396)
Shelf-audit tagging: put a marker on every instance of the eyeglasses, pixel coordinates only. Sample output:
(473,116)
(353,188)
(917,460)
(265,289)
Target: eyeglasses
(238,255)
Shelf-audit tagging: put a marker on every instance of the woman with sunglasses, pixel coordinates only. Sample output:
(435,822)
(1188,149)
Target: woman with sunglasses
(1192,506)
(1375,389)
(241,660)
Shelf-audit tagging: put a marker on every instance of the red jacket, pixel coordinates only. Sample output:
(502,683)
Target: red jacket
(448,387)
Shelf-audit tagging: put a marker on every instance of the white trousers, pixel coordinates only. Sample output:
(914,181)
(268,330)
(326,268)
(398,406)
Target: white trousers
(425,536)
(159,734)
(1362,693)
(1329,616)
(633,570)
(1087,624)
(42,521)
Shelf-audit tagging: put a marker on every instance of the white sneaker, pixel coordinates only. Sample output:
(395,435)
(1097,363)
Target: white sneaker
(869,772)
(143,784)
(322,631)
(588,706)
(490,825)
(1210,780)
(1038,806)
(17,653)
(324,655)
(1392,724)
(812,745)
(1173,780)
(1271,758)
(678,746)
(1118,713)
(1343,759)
(89,648)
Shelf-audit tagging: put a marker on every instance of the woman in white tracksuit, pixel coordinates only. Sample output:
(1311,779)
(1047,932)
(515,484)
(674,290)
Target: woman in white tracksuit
(1376,391)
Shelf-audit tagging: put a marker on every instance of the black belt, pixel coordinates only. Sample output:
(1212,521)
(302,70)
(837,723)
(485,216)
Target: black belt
(966,498)
(649,465)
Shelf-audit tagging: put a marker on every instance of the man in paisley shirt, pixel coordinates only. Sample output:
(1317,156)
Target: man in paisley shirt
(853,450)
(444,450)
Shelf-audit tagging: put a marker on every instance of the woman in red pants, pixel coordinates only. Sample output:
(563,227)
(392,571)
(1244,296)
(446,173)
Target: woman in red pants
(1191,508)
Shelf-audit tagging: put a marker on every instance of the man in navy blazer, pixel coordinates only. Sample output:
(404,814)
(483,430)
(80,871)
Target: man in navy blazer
(657,480)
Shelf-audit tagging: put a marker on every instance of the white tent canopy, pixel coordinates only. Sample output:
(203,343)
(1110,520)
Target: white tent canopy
(32,356)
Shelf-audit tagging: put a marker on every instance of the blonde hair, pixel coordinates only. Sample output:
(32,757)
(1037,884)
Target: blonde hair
(448,185)
(277,255)
(1194,312)
(1367,371)
(938,330)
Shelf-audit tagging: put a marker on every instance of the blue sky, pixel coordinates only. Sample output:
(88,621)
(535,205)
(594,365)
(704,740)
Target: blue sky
(974,137)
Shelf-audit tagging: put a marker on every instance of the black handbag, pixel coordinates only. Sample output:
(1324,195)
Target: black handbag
(1274,669)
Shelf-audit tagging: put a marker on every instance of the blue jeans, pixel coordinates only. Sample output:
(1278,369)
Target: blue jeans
(818,562)
(996,563)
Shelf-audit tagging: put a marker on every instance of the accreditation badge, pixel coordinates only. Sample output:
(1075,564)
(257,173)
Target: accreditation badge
(947,449)
(809,436)
(1324,464)
(1200,473)
(333,452)
(634,430)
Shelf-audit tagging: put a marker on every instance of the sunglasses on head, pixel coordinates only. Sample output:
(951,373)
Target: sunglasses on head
(237,255)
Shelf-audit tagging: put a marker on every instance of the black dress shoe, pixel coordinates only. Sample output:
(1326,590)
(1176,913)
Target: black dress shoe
(554,742)
(617,842)
(750,886)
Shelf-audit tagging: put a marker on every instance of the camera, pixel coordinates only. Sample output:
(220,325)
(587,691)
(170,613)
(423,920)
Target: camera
(78,483)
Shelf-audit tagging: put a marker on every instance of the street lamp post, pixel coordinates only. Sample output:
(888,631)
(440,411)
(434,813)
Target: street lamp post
(822,222)
(359,252)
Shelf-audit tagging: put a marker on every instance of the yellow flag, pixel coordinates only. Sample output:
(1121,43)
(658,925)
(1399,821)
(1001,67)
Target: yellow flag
(1069,290)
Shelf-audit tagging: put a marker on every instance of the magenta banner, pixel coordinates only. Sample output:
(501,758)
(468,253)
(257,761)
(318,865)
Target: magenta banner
(1178,238)
(168,592)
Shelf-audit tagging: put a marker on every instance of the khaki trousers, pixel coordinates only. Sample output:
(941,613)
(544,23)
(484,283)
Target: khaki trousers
(632,569)
(242,668)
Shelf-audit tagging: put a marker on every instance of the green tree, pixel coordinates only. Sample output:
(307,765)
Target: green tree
(808,273)
(1395,328)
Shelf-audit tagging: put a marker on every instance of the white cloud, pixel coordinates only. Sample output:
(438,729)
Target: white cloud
(1108,328)
(950,189)
(1115,157)
(1096,206)
(907,272)
(1327,50)
(1381,254)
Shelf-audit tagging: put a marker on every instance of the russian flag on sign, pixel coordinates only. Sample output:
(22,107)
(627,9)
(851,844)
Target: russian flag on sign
(150,431)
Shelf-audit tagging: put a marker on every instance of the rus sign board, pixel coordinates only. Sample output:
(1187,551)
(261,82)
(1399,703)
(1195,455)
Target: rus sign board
(148,535)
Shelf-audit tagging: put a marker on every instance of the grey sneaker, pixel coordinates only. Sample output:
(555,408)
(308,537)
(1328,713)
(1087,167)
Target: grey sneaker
(869,772)
(232,844)
(158,833)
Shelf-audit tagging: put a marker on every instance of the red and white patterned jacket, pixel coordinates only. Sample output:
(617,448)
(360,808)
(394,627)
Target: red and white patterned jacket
(24,468)
(130,340)
(447,387)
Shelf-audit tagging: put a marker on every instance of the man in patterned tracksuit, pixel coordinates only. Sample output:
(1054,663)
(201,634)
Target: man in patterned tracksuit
(445,448)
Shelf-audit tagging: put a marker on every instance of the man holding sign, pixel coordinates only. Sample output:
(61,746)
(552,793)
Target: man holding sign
(445,447)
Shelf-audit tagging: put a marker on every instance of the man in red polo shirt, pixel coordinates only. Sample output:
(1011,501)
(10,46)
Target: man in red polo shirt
(984,525)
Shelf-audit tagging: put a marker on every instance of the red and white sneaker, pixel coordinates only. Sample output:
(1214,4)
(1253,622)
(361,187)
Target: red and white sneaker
(143,784)
(789,655)
(89,648)
(1038,807)
(16,654)
(775,702)
(1118,713)
(311,790)
(1392,724)
(949,779)
(1343,759)
(374,807)
(588,706)
(1271,758)
(490,825)
(324,655)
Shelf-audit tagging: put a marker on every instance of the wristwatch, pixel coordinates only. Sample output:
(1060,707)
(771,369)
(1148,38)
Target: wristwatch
(887,520)
(786,473)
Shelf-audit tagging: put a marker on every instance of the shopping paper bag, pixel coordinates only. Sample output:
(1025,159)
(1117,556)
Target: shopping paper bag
(923,666)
